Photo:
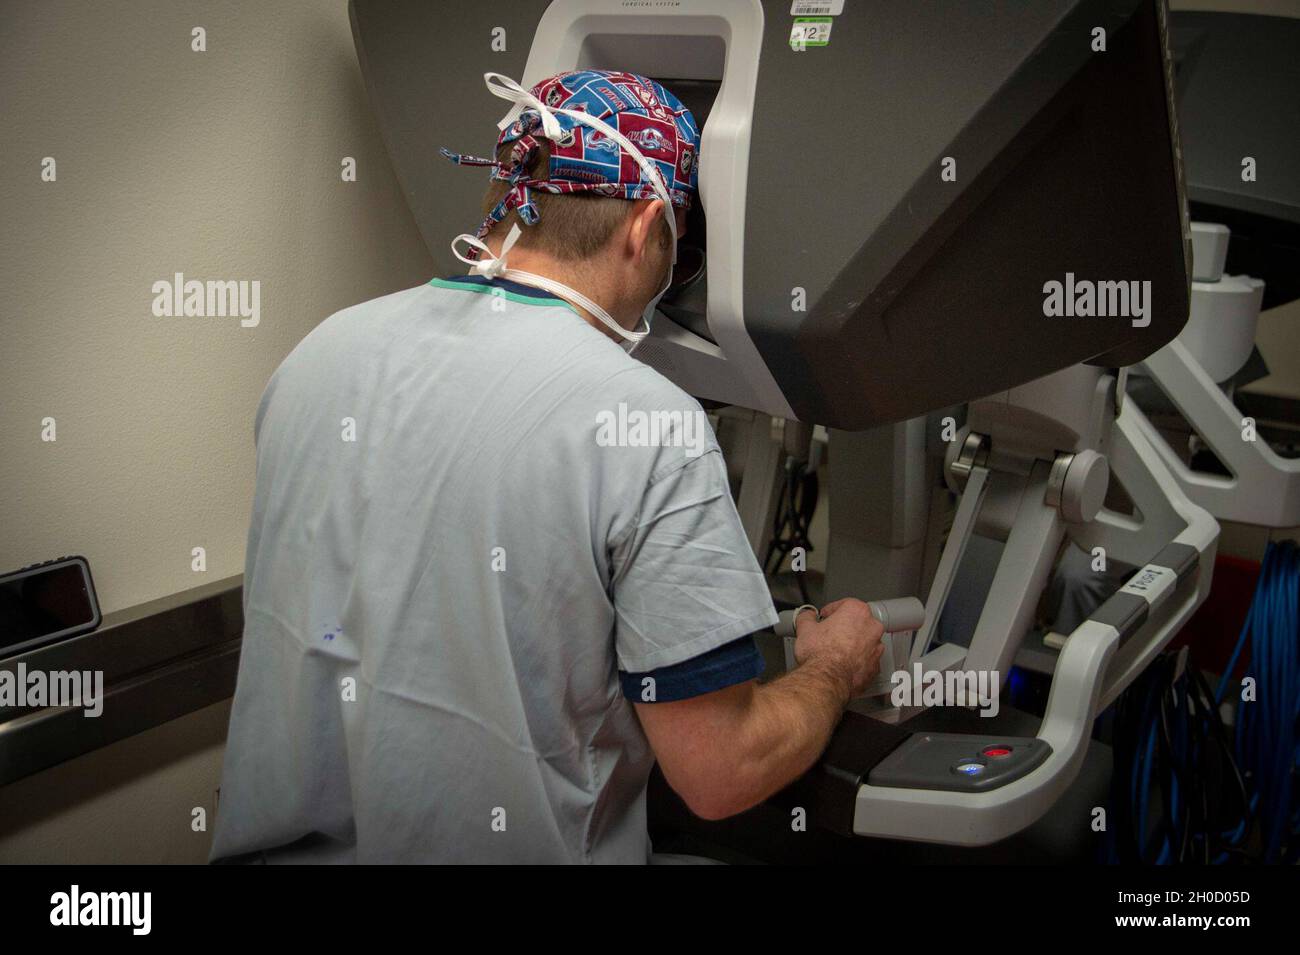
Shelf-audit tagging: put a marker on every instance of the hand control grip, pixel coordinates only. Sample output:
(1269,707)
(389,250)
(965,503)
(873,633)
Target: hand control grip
(897,614)
(785,620)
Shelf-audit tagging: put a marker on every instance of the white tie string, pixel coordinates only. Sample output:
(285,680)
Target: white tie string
(491,268)
(508,89)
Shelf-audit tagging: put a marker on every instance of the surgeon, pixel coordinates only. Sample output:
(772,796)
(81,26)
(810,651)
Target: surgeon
(494,571)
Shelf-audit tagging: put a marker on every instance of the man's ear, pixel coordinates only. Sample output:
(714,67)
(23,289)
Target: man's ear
(644,224)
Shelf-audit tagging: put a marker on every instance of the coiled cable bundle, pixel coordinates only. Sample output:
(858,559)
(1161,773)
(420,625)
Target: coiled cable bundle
(1176,790)
(1266,737)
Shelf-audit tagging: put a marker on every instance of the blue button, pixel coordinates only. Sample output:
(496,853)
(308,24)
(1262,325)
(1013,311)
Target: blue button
(969,769)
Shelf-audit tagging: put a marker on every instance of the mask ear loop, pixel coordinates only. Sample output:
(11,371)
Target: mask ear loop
(655,178)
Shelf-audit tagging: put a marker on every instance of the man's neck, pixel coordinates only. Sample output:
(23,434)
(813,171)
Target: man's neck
(580,280)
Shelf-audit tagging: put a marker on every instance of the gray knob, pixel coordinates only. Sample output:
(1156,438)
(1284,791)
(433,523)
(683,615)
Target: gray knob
(899,614)
(896,615)
(1084,488)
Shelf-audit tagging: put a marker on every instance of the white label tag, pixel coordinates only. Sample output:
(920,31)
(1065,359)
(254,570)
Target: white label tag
(1151,583)
(810,31)
(816,8)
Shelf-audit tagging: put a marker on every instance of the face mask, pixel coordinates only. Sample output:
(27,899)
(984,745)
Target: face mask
(493,267)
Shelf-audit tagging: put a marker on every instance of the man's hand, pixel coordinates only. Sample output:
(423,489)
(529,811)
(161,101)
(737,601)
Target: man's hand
(847,638)
(726,751)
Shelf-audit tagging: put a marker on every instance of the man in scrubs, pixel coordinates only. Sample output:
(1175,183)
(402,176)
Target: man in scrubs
(482,595)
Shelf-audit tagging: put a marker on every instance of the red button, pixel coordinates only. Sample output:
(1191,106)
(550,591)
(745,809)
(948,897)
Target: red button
(995,752)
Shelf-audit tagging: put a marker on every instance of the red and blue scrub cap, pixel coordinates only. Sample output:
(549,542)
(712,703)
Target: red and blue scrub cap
(583,159)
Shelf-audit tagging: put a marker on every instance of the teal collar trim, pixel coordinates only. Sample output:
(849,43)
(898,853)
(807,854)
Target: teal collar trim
(513,291)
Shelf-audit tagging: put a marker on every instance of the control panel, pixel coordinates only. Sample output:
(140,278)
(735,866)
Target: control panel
(958,762)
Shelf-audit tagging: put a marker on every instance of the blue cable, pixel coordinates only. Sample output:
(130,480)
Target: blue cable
(1178,734)
(1266,738)
(1145,767)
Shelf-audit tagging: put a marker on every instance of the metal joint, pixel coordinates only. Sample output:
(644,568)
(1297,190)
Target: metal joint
(1056,480)
(973,453)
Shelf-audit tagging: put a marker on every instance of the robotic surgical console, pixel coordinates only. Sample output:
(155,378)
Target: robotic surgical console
(933,206)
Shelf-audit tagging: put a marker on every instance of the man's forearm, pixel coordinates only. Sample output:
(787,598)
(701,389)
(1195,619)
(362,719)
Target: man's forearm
(785,728)
(728,750)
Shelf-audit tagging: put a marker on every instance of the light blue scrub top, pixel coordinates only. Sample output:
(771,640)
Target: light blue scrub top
(447,566)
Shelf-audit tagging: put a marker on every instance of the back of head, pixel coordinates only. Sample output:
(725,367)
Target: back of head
(568,192)
(570,227)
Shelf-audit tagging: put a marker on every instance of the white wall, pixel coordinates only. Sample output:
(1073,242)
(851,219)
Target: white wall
(219,165)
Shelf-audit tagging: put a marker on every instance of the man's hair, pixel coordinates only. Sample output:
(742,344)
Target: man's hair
(570,226)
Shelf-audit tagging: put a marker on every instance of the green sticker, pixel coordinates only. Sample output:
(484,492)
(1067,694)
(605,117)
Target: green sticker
(810,31)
